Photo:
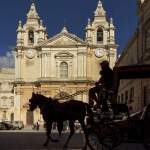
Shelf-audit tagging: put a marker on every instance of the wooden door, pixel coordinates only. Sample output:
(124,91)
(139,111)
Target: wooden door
(12,116)
(29,118)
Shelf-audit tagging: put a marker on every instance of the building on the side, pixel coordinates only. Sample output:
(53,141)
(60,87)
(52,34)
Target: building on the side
(136,93)
(7,107)
(59,65)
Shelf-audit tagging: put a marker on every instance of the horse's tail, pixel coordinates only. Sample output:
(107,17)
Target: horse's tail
(90,113)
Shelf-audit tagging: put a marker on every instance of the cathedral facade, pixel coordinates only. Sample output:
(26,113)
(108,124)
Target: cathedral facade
(61,65)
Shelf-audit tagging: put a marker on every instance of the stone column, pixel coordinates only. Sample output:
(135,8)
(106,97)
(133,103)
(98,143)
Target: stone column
(79,64)
(57,69)
(17,98)
(84,65)
(48,65)
(19,55)
(70,70)
(40,64)
(43,65)
(111,55)
(88,65)
(17,115)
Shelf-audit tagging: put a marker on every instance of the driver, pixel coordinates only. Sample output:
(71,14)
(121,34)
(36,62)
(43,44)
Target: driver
(106,79)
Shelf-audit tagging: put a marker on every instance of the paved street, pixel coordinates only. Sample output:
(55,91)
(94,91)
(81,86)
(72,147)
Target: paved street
(29,139)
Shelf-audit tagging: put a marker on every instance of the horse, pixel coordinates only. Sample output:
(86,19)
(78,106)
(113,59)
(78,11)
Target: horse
(54,111)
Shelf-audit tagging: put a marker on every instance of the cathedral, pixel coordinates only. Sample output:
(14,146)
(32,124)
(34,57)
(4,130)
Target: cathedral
(58,66)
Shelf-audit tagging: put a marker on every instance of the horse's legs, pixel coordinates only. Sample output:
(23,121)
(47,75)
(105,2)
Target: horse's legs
(60,127)
(72,130)
(49,126)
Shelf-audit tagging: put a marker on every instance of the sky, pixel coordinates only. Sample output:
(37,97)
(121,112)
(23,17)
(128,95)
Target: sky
(53,13)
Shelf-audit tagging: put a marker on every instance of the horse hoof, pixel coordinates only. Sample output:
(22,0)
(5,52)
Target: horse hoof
(45,144)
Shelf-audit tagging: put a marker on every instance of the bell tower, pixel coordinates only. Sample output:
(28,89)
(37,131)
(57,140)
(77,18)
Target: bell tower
(29,36)
(101,34)
(33,32)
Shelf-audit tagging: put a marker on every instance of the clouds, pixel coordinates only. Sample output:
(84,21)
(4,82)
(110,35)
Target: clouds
(7,61)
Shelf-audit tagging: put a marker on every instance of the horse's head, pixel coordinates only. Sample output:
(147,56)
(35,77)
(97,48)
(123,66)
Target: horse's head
(33,103)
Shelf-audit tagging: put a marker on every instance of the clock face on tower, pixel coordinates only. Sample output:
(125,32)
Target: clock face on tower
(30,53)
(99,52)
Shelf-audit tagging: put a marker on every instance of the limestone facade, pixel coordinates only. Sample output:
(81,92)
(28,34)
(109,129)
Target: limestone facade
(59,65)
(7,107)
(136,93)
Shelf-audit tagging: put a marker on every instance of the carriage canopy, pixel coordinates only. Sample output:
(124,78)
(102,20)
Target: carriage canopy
(135,71)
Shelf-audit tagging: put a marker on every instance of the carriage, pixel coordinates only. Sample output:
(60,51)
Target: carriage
(105,132)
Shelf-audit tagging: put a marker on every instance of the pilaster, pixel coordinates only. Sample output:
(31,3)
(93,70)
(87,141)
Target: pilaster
(48,65)
(43,65)
(79,64)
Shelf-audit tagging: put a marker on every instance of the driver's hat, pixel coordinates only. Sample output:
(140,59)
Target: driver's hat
(104,62)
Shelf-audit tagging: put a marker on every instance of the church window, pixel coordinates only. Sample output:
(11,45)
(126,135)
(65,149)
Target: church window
(122,98)
(12,116)
(4,102)
(4,114)
(126,96)
(12,102)
(132,93)
(99,35)
(31,36)
(147,39)
(63,70)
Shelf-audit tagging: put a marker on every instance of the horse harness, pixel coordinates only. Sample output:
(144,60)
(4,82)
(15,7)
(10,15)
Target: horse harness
(48,105)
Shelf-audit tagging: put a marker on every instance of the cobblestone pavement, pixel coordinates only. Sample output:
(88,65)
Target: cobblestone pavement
(29,139)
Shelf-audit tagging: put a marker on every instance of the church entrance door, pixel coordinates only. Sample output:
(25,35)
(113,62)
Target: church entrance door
(29,118)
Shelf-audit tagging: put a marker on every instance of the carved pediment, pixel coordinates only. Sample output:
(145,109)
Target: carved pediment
(64,38)
(11,97)
(4,97)
(63,54)
(64,41)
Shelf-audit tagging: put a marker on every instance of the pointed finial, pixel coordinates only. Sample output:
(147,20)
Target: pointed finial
(89,21)
(64,23)
(20,23)
(111,20)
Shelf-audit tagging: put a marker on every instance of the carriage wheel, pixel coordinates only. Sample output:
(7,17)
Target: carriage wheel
(94,136)
(103,135)
(112,136)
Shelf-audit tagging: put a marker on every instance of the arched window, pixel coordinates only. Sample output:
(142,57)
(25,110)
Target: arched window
(4,114)
(4,102)
(12,116)
(99,35)
(63,70)
(147,39)
(12,102)
(31,36)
